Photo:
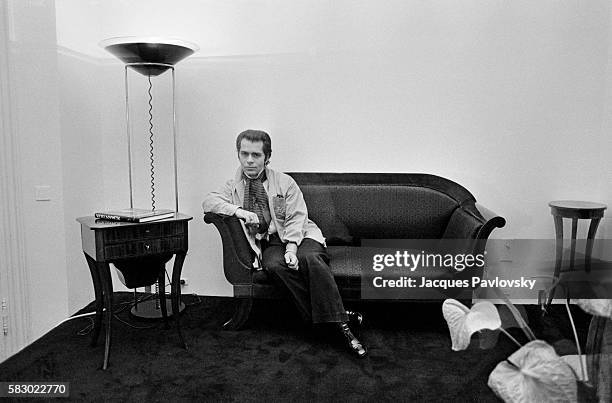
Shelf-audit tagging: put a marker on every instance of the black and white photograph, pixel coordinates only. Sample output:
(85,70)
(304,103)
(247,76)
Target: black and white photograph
(306,200)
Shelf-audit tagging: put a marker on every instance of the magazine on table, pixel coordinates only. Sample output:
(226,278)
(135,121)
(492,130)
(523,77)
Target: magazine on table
(135,215)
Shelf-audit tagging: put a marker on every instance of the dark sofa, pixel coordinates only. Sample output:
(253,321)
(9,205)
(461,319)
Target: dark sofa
(351,208)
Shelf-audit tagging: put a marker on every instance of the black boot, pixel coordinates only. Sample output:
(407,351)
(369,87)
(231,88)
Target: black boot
(353,343)
(355,318)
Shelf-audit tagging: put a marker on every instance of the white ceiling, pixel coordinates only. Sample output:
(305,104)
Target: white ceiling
(252,27)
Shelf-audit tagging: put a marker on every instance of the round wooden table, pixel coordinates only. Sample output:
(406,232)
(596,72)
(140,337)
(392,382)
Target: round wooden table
(575,210)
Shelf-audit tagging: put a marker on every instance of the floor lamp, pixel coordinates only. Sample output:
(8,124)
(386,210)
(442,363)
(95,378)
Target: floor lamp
(151,57)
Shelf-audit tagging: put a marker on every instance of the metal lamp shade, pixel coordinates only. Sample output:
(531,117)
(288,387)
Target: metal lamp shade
(150,56)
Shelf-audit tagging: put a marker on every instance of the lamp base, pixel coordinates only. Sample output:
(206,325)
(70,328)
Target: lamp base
(151,310)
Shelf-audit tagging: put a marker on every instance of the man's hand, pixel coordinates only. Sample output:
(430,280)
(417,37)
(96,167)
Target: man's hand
(291,260)
(248,217)
(251,221)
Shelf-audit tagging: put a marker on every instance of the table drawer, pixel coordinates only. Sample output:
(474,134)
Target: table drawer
(133,233)
(144,247)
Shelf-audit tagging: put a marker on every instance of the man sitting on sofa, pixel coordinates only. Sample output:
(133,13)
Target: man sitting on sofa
(291,246)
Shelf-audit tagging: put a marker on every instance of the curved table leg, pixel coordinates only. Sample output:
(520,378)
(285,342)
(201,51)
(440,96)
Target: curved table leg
(107,287)
(161,280)
(573,245)
(558,256)
(589,245)
(95,276)
(176,292)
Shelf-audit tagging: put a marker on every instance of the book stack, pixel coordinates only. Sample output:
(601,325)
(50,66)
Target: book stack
(135,215)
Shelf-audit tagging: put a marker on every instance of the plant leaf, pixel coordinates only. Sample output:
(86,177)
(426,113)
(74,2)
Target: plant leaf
(463,322)
(539,375)
(597,307)
(574,362)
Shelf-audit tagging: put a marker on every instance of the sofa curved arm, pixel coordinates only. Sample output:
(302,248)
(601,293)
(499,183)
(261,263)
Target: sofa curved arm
(472,222)
(490,221)
(237,253)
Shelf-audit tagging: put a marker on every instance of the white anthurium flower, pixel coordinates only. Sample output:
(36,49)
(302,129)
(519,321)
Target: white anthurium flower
(534,373)
(463,321)
(597,307)
(574,362)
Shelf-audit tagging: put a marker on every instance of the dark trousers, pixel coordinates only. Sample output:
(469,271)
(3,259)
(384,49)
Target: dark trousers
(312,286)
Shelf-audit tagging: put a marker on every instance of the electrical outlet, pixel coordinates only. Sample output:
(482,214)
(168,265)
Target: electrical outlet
(42,193)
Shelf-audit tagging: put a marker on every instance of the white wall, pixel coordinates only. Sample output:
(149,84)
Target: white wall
(81,103)
(606,150)
(506,98)
(36,124)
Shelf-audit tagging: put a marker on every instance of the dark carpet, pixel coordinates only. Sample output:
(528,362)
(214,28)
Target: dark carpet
(277,358)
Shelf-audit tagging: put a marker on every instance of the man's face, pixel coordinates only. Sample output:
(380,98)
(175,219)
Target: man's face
(251,157)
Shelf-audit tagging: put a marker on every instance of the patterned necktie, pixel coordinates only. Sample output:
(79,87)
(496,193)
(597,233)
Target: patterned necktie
(256,200)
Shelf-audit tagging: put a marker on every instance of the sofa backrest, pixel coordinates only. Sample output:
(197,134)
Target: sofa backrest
(349,207)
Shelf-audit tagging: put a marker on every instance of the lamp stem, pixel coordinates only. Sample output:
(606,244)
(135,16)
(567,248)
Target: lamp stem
(129,137)
(151,156)
(176,207)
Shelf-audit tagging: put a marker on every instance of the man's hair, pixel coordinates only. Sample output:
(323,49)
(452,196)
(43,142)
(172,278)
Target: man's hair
(254,136)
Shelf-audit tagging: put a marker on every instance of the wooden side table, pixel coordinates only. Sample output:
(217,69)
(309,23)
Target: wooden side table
(575,210)
(106,242)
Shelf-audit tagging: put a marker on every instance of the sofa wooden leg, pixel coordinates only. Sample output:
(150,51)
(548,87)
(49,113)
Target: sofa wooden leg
(241,314)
